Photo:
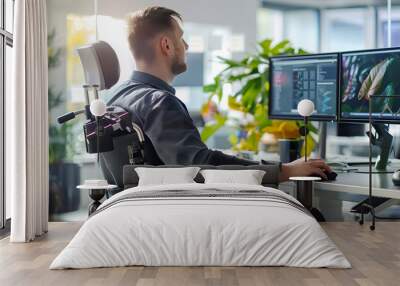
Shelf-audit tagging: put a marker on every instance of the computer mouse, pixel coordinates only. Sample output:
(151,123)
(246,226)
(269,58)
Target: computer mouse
(331,175)
(396,178)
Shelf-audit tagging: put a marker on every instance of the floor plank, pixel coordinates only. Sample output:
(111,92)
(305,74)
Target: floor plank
(375,257)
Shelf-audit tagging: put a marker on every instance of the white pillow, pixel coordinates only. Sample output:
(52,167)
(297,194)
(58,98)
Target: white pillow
(166,176)
(248,177)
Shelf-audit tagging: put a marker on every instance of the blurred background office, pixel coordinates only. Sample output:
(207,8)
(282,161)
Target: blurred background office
(218,28)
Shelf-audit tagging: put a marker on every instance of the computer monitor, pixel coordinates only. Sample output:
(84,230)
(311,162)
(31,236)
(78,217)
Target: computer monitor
(366,73)
(294,78)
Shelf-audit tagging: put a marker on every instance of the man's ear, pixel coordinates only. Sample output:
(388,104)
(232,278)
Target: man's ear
(165,45)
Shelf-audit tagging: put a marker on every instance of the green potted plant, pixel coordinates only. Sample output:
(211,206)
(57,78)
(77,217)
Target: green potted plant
(64,175)
(250,77)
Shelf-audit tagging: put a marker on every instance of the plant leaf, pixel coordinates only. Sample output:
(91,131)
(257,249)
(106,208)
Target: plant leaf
(210,88)
(230,63)
(265,45)
(248,99)
(233,139)
(312,128)
(250,75)
(310,146)
(301,52)
(239,77)
(261,117)
(211,128)
(251,142)
(234,105)
(277,49)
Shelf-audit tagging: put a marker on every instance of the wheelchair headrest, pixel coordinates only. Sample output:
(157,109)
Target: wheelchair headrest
(100,64)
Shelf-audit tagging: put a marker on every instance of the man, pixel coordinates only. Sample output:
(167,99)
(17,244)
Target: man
(156,41)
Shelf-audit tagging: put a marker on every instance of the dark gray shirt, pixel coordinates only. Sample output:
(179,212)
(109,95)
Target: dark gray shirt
(170,135)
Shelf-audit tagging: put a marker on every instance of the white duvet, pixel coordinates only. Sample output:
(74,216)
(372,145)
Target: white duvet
(190,231)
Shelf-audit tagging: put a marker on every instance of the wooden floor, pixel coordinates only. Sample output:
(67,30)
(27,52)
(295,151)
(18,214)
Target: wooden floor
(375,257)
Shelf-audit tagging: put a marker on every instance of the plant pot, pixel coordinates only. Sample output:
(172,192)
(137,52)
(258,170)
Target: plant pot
(63,179)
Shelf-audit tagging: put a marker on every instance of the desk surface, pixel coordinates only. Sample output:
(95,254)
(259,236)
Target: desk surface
(357,183)
(351,182)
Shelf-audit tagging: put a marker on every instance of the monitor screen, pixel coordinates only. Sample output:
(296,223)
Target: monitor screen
(370,73)
(294,78)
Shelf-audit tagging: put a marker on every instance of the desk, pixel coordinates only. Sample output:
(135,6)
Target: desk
(329,195)
(357,183)
(348,186)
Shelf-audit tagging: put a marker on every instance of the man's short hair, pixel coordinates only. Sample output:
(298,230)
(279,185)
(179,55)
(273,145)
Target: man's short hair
(144,25)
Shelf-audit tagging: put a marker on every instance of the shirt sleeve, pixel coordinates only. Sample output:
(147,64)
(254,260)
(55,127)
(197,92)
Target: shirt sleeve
(176,139)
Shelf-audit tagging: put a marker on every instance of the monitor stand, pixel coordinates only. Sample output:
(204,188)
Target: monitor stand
(383,139)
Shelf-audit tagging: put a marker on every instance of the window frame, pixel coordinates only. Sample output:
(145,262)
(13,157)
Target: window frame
(6,39)
(374,9)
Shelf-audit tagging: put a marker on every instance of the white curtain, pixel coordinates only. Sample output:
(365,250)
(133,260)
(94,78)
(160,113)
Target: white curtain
(27,124)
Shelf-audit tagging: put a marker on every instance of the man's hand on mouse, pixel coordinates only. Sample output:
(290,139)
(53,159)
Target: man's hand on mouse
(299,167)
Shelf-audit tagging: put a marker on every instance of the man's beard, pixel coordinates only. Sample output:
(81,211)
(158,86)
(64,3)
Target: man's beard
(178,67)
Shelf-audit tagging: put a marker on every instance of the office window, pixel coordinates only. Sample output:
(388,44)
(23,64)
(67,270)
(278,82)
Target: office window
(319,28)
(338,26)
(382,33)
(270,24)
(206,43)
(300,26)
(6,44)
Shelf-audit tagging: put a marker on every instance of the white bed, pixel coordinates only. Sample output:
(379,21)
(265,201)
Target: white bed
(249,225)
